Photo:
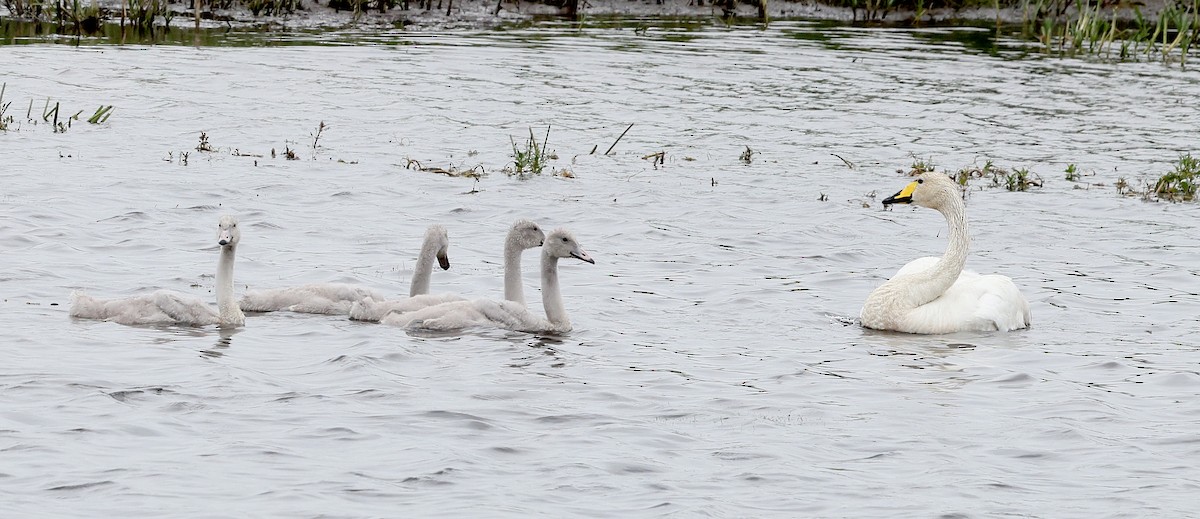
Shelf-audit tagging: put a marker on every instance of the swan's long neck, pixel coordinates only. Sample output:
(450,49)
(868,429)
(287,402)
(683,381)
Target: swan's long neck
(424,270)
(945,272)
(227,305)
(513,290)
(551,295)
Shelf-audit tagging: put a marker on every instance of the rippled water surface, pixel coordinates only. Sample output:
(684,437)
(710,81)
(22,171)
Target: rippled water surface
(713,369)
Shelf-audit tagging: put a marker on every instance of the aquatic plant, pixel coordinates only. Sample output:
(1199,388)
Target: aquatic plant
(317,138)
(1016,179)
(1181,183)
(1097,29)
(1020,179)
(747,155)
(919,166)
(204,145)
(614,144)
(278,7)
(475,172)
(656,158)
(5,120)
(1072,173)
(530,159)
(101,114)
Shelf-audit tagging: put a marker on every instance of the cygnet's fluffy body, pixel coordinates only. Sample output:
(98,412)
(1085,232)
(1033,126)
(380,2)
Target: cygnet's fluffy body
(505,314)
(339,298)
(165,307)
(524,234)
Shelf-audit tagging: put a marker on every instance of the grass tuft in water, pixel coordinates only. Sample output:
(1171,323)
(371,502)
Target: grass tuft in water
(1020,179)
(101,114)
(1072,173)
(1181,183)
(530,159)
(920,166)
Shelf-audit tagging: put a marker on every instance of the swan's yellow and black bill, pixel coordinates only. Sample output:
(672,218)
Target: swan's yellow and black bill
(903,197)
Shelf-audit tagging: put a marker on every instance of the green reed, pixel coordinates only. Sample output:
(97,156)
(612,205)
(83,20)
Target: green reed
(1094,30)
(531,158)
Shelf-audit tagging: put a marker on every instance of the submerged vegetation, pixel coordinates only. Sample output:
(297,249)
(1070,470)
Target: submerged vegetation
(50,115)
(1181,183)
(988,175)
(529,159)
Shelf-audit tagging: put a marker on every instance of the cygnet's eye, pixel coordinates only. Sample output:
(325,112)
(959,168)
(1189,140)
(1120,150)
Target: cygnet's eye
(920,181)
(565,240)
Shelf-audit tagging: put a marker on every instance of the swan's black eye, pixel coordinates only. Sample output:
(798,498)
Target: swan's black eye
(920,181)
(565,240)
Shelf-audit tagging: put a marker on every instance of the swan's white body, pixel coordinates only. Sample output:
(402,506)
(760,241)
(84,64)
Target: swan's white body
(935,295)
(339,298)
(523,234)
(165,307)
(511,315)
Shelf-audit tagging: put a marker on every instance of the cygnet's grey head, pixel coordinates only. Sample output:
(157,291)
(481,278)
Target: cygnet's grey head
(525,234)
(562,244)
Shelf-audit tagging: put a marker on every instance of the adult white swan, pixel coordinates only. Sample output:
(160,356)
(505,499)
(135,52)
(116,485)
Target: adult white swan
(935,295)
(524,234)
(505,314)
(167,307)
(338,298)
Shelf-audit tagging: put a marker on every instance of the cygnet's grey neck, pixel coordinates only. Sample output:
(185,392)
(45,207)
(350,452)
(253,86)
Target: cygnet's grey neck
(551,296)
(513,289)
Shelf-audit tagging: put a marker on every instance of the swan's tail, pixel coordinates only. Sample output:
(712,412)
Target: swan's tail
(84,306)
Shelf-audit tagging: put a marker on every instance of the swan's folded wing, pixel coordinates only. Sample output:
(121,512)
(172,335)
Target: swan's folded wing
(917,265)
(1002,303)
(974,303)
(454,315)
(316,298)
(372,310)
(182,309)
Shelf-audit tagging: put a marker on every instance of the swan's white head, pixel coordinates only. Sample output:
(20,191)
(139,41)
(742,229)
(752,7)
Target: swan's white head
(437,237)
(561,244)
(931,189)
(228,234)
(525,234)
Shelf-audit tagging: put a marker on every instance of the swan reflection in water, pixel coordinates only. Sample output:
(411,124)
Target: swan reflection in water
(224,341)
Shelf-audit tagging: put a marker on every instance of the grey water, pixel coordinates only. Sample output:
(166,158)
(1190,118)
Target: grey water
(715,368)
